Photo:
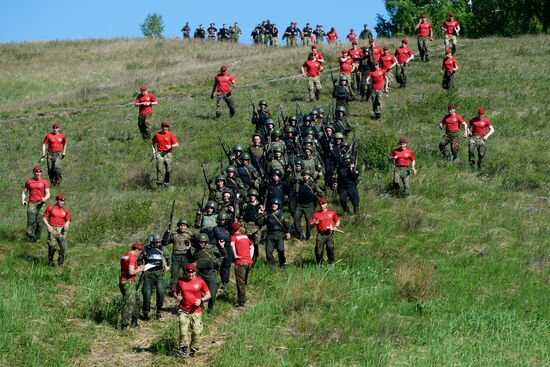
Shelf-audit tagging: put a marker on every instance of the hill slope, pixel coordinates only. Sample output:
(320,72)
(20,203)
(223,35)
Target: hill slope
(455,275)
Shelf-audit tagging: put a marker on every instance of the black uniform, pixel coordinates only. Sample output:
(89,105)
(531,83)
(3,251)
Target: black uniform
(221,232)
(277,227)
(154,277)
(347,187)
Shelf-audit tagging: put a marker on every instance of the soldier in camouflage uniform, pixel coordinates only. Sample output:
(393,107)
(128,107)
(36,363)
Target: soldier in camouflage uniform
(206,219)
(276,141)
(250,212)
(158,257)
(234,183)
(307,31)
(54,149)
(312,164)
(342,92)
(182,239)
(257,151)
(292,33)
(277,230)
(127,285)
(57,220)
(259,117)
(307,193)
(208,258)
(248,174)
(278,161)
(235,159)
(341,122)
(292,142)
(235,32)
(228,204)
(216,192)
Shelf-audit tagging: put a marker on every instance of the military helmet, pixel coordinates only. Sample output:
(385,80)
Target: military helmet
(278,148)
(155,238)
(253,192)
(310,131)
(222,215)
(329,126)
(270,122)
(293,117)
(277,172)
(202,237)
(343,77)
(182,221)
(338,135)
(238,148)
(345,144)
(262,102)
(309,140)
(276,201)
(299,161)
(290,129)
(321,111)
(277,132)
(346,157)
(231,168)
(307,118)
(314,111)
(341,109)
(228,191)
(306,171)
(245,156)
(220,178)
(211,204)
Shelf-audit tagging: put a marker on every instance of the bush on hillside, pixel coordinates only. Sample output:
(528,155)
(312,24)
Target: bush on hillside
(374,150)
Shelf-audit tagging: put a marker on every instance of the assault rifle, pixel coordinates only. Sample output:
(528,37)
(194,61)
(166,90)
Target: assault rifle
(254,112)
(171,222)
(206,179)
(221,165)
(334,80)
(225,148)
(283,117)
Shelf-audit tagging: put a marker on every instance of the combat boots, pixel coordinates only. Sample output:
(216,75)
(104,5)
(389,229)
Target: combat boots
(183,352)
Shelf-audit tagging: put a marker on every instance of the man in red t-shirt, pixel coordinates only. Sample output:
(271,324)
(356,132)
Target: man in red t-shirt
(318,54)
(404,56)
(222,86)
(191,293)
(387,62)
(356,54)
(39,193)
(327,221)
(451,29)
(243,251)
(346,63)
(352,36)
(312,71)
(403,157)
(57,220)
(448,68)
(375,50)
(144,102)
(378,81)
(54,147)
(452,123)
(127,285)
(163,143)
(423,35)
(332,36)
(478,137)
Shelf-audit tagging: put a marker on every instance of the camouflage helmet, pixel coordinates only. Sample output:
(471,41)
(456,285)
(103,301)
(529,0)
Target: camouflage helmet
(307,118)
(219,178)
(238,148)
(270,122)
(222,215)
(343,77)
(290,129)
(320,111)
(262,102)
(211,204)
(245,156)
(231,168)
(310,131)
(154,238)
(276,201)
(202,237)
(277,132)
(182,221)
(346,157)
(338,135)
(277,172)
(277,148)
(253,192)
(341,109)
(306,171)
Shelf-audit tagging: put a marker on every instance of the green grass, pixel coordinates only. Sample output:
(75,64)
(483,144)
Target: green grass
(455,275)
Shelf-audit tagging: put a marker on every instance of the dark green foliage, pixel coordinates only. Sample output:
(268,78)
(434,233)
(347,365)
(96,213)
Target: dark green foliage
(375,149)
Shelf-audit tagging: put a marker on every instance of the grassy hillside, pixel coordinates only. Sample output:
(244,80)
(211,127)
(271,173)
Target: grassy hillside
(455,275)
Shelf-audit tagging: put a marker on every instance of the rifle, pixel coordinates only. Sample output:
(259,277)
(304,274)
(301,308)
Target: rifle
(171,222)
(221,165)
(334,81)
(206,179)
(254,112)
(225,149)
(283,117)
(299,114)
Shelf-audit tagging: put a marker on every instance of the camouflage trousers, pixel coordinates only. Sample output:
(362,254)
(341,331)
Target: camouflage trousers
(274,42)
(401,75)
(450,137)
(423,48)
(448,80)
(130,309)
(306,41)
(57,242)
(54,167)
(324,239)
(144,125)
(314,86)
(241,277)
(292,41)
(377,101)
(478,143)
(34,220)
(450,42)
(228,101)
(190,329)
(401,177)
(164,167)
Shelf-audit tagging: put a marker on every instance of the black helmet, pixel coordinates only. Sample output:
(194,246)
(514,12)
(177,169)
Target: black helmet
(307,118)
(314,112)
(293,117)
(182,221)
(277,172)
(343,77)
(155,238)
(321,111)
(276,201)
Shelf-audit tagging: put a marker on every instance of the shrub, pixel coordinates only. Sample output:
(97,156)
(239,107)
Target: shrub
(413,280)
(152,26)
(375,149)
